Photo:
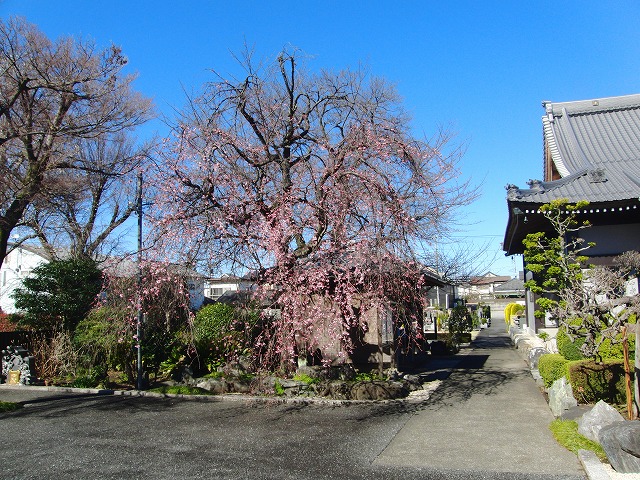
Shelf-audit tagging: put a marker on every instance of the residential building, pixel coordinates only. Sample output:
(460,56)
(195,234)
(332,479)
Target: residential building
(482,287)
(216,287)
(128,267)
(21,261)
(591,152)
(18,265)
(514,288)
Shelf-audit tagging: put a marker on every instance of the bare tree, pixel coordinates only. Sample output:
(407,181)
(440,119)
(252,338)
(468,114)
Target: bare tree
(51,95)
(81,209)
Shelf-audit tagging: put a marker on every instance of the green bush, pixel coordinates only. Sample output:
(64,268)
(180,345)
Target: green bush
(212,322)
(609,351)
(567,348)
(180,390)
(220,333)
(592,381)
(104,341)
(58,294)
(460,322)
(552,366)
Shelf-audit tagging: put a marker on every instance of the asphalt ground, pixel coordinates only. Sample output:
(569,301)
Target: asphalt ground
(487,420)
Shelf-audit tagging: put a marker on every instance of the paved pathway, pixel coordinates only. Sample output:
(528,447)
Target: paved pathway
(488,415)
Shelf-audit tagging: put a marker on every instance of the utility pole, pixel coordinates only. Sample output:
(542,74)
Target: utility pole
(139,381)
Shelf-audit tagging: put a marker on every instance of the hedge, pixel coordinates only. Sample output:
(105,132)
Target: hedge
(592,381)
(607,351)
(552,366)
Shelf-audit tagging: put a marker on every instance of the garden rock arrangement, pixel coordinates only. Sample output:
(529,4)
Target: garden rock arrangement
(338,383)
(561,397)
(621,442)
(601,415)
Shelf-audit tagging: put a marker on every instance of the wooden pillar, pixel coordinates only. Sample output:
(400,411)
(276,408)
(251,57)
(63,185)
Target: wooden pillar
(636,389)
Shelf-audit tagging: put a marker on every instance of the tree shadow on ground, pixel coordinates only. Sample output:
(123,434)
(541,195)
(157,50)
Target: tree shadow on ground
(67,404)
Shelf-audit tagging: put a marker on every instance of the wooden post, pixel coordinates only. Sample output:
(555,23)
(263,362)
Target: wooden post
(627,373)
(636,389)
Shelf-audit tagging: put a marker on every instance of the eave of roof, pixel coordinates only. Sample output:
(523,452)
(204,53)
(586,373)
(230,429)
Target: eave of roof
(525,218)
(595,147)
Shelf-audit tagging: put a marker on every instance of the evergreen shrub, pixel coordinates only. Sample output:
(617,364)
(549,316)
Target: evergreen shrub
(592,381)
(552,366)
(567,348)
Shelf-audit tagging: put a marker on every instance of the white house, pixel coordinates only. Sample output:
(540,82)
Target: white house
(18,265)
(482,287)
(20,262)
(215,287)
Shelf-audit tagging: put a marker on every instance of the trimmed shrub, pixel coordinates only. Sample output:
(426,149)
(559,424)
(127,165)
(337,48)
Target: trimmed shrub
(567,348)
(592,381)
(607,351)
(222,332)
(460,321)
(552,366)
(212,324)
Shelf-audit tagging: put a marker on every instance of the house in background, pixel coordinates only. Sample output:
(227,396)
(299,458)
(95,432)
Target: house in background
(514,288)
(21,261)
(17,266)
(591,152)
(225,285)
(441,297)
(482,287)
(128,268)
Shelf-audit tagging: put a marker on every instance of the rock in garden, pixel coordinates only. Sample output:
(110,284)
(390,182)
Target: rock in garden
(534,355)
(561,397)
(378,391)
(217,386)
(601,415)
(239,386)
(412,382)
(339,390)
(621,443)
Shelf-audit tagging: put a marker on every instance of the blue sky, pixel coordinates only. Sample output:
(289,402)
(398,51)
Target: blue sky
(479,68)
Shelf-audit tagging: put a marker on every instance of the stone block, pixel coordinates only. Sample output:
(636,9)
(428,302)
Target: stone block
(561,397)
(621,443)
(601,415)
(534,355)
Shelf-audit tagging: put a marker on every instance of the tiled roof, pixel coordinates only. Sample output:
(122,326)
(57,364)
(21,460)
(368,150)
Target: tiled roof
(515,284)
(619,181)
(595,146)
(488,280)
